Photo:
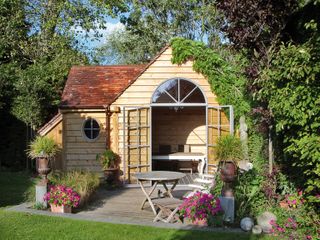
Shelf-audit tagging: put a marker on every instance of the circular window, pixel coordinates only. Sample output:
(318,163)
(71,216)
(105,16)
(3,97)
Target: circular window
(91,129)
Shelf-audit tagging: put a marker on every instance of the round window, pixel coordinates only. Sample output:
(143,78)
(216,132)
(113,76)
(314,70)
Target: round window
(91,129)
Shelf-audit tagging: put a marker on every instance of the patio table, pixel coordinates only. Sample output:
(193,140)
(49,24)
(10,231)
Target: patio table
(158,177)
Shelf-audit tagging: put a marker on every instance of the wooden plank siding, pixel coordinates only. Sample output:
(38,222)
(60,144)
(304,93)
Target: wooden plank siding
(79,152)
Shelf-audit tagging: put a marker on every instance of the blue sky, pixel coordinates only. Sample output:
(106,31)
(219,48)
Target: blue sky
(91,42)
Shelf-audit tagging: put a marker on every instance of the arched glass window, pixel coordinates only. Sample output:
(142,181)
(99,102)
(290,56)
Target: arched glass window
(178,91)
(91,129)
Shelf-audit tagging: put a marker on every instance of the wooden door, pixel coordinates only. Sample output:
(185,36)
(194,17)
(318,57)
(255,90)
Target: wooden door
(220,122)
(137,144)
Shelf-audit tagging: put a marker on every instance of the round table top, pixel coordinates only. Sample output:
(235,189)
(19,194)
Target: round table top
(159,176)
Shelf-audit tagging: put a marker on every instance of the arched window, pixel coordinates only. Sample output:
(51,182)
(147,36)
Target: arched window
(178,91)
(91,129)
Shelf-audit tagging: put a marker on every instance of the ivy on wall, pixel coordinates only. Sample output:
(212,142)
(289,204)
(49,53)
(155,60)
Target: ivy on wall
(224,73)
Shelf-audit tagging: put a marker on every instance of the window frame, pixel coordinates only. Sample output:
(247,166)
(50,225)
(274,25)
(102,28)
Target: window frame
(91,129)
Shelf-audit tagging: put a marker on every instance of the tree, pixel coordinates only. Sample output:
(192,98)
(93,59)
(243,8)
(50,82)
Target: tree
(151,24)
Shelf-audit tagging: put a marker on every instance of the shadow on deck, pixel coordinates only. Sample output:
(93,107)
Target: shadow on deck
(124,204)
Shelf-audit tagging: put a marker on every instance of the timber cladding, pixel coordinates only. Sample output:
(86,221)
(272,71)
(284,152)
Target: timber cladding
(79,152)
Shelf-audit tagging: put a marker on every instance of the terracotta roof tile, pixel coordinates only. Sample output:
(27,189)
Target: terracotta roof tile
(97,86)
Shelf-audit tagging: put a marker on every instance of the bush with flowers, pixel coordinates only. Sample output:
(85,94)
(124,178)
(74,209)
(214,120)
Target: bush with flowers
(61,195)
(299,221)
(200,206)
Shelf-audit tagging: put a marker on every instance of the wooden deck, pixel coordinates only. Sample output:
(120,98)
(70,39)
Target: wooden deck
(124,205)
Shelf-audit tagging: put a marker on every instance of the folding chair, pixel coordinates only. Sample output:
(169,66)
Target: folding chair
(168,209)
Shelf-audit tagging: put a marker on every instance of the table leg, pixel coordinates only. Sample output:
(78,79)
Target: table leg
(148,196)
(169,191)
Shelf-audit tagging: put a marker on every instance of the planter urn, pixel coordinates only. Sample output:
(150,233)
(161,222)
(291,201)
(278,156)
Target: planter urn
(228,171)
(43,168)
(111,174)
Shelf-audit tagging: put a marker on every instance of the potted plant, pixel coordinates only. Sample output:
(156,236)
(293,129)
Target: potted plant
(200,207)
(62,199)
(43,149)
(110,164)
(228,153)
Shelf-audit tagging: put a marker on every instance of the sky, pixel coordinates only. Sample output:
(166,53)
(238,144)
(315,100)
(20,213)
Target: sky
(92,42)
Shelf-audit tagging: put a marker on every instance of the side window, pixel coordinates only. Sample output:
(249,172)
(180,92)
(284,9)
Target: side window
(91,129)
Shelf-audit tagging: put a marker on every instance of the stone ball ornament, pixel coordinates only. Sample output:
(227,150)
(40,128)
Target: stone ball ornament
(246,224)
(256,229)
(264,221)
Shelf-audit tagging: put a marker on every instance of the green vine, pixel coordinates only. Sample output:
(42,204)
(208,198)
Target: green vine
(225,74)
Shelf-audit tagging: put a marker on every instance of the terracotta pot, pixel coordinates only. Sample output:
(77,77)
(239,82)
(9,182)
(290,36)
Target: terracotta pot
(111,175)
(60,209)
(228,172)
(200,222)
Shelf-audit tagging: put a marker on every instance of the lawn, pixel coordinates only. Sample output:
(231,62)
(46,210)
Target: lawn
(16,226)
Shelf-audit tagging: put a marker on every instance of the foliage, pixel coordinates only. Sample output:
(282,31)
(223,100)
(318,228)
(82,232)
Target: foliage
(39,206)
(296,223)
(292,86)
(249,194)
(149,26)
(61,195)
(83,182)
(108,159)
(43,146)
(224,71)
(200,206)
(229,148)
(254,24)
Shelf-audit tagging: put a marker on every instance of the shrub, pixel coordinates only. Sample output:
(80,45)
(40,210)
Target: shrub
(200,206)
(61,195)
(83,182)
(229,148)
(42,146)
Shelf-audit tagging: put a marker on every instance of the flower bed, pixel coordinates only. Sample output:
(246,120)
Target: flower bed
(200,207)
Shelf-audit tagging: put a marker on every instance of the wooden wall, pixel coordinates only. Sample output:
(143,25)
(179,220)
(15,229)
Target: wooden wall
(79,152)
(56,134)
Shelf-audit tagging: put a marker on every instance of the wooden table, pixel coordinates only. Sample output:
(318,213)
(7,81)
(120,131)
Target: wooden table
(162,177)
(180,156)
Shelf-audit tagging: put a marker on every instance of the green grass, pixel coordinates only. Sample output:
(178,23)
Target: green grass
(17,226)
(14,187)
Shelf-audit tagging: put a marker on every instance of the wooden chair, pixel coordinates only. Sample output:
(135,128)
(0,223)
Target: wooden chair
(168,209)
(204,181)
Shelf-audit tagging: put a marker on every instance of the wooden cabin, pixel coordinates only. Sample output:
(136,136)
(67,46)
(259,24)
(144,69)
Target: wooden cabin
(145,113)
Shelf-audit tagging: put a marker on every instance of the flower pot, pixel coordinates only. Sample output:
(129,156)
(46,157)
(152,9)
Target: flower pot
(60,209)
(228,172)
(111,174)
(200,222)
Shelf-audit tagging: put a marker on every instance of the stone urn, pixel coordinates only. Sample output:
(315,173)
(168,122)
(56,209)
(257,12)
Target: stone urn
(111,174)
(43,168)
(228,171)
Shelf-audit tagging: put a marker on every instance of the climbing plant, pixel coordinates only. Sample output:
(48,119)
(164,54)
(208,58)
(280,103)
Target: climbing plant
(224,72)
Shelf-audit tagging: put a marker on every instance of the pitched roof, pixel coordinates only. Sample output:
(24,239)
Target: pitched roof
(49,125)
(97,86)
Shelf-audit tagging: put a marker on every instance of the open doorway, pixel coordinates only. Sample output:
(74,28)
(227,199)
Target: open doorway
(178,138)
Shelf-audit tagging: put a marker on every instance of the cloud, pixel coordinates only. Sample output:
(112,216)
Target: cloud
(89,38)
